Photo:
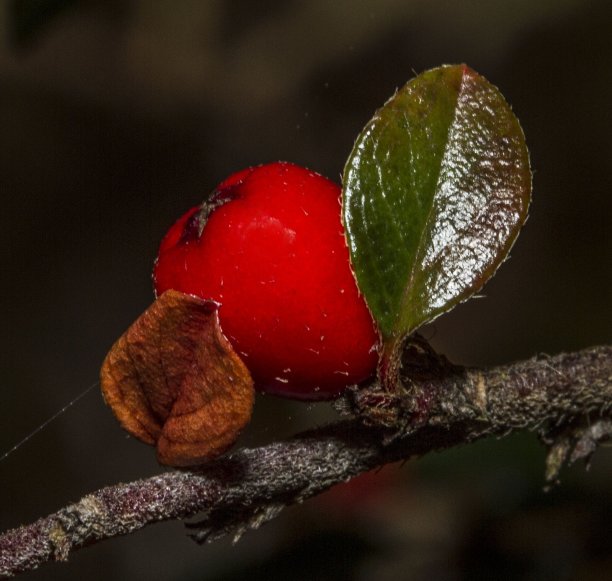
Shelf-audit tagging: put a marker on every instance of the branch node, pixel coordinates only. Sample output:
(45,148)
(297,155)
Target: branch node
(60,541)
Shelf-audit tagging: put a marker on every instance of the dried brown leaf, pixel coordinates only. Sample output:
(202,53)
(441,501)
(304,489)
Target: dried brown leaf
(174,381)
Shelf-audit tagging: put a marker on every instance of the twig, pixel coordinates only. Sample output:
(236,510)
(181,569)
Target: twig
(438,406)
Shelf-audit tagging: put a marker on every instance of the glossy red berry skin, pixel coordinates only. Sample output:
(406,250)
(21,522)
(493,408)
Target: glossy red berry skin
(269,247)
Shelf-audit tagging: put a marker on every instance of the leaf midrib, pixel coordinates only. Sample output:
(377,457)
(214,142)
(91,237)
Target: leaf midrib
(398,331)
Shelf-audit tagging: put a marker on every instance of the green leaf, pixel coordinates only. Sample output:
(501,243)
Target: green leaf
(435,192)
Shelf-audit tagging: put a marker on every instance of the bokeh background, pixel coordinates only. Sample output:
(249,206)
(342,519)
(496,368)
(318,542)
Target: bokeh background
(117,115)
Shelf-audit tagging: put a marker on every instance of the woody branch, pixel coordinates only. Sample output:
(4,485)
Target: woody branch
(567,399)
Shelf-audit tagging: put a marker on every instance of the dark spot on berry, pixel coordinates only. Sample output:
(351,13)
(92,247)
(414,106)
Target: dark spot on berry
(195,223)
(193,227)
(220,196)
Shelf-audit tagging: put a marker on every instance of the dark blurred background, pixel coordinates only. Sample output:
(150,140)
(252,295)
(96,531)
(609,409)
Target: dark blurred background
(118,115)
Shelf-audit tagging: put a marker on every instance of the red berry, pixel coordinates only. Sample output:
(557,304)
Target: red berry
(269,247)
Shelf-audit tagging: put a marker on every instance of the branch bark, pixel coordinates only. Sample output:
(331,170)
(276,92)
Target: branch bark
(566,398)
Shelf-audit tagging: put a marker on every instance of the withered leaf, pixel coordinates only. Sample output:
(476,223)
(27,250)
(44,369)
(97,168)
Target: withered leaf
(174,381)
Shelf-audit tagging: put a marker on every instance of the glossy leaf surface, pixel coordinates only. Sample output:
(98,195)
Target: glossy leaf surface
(435,192)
